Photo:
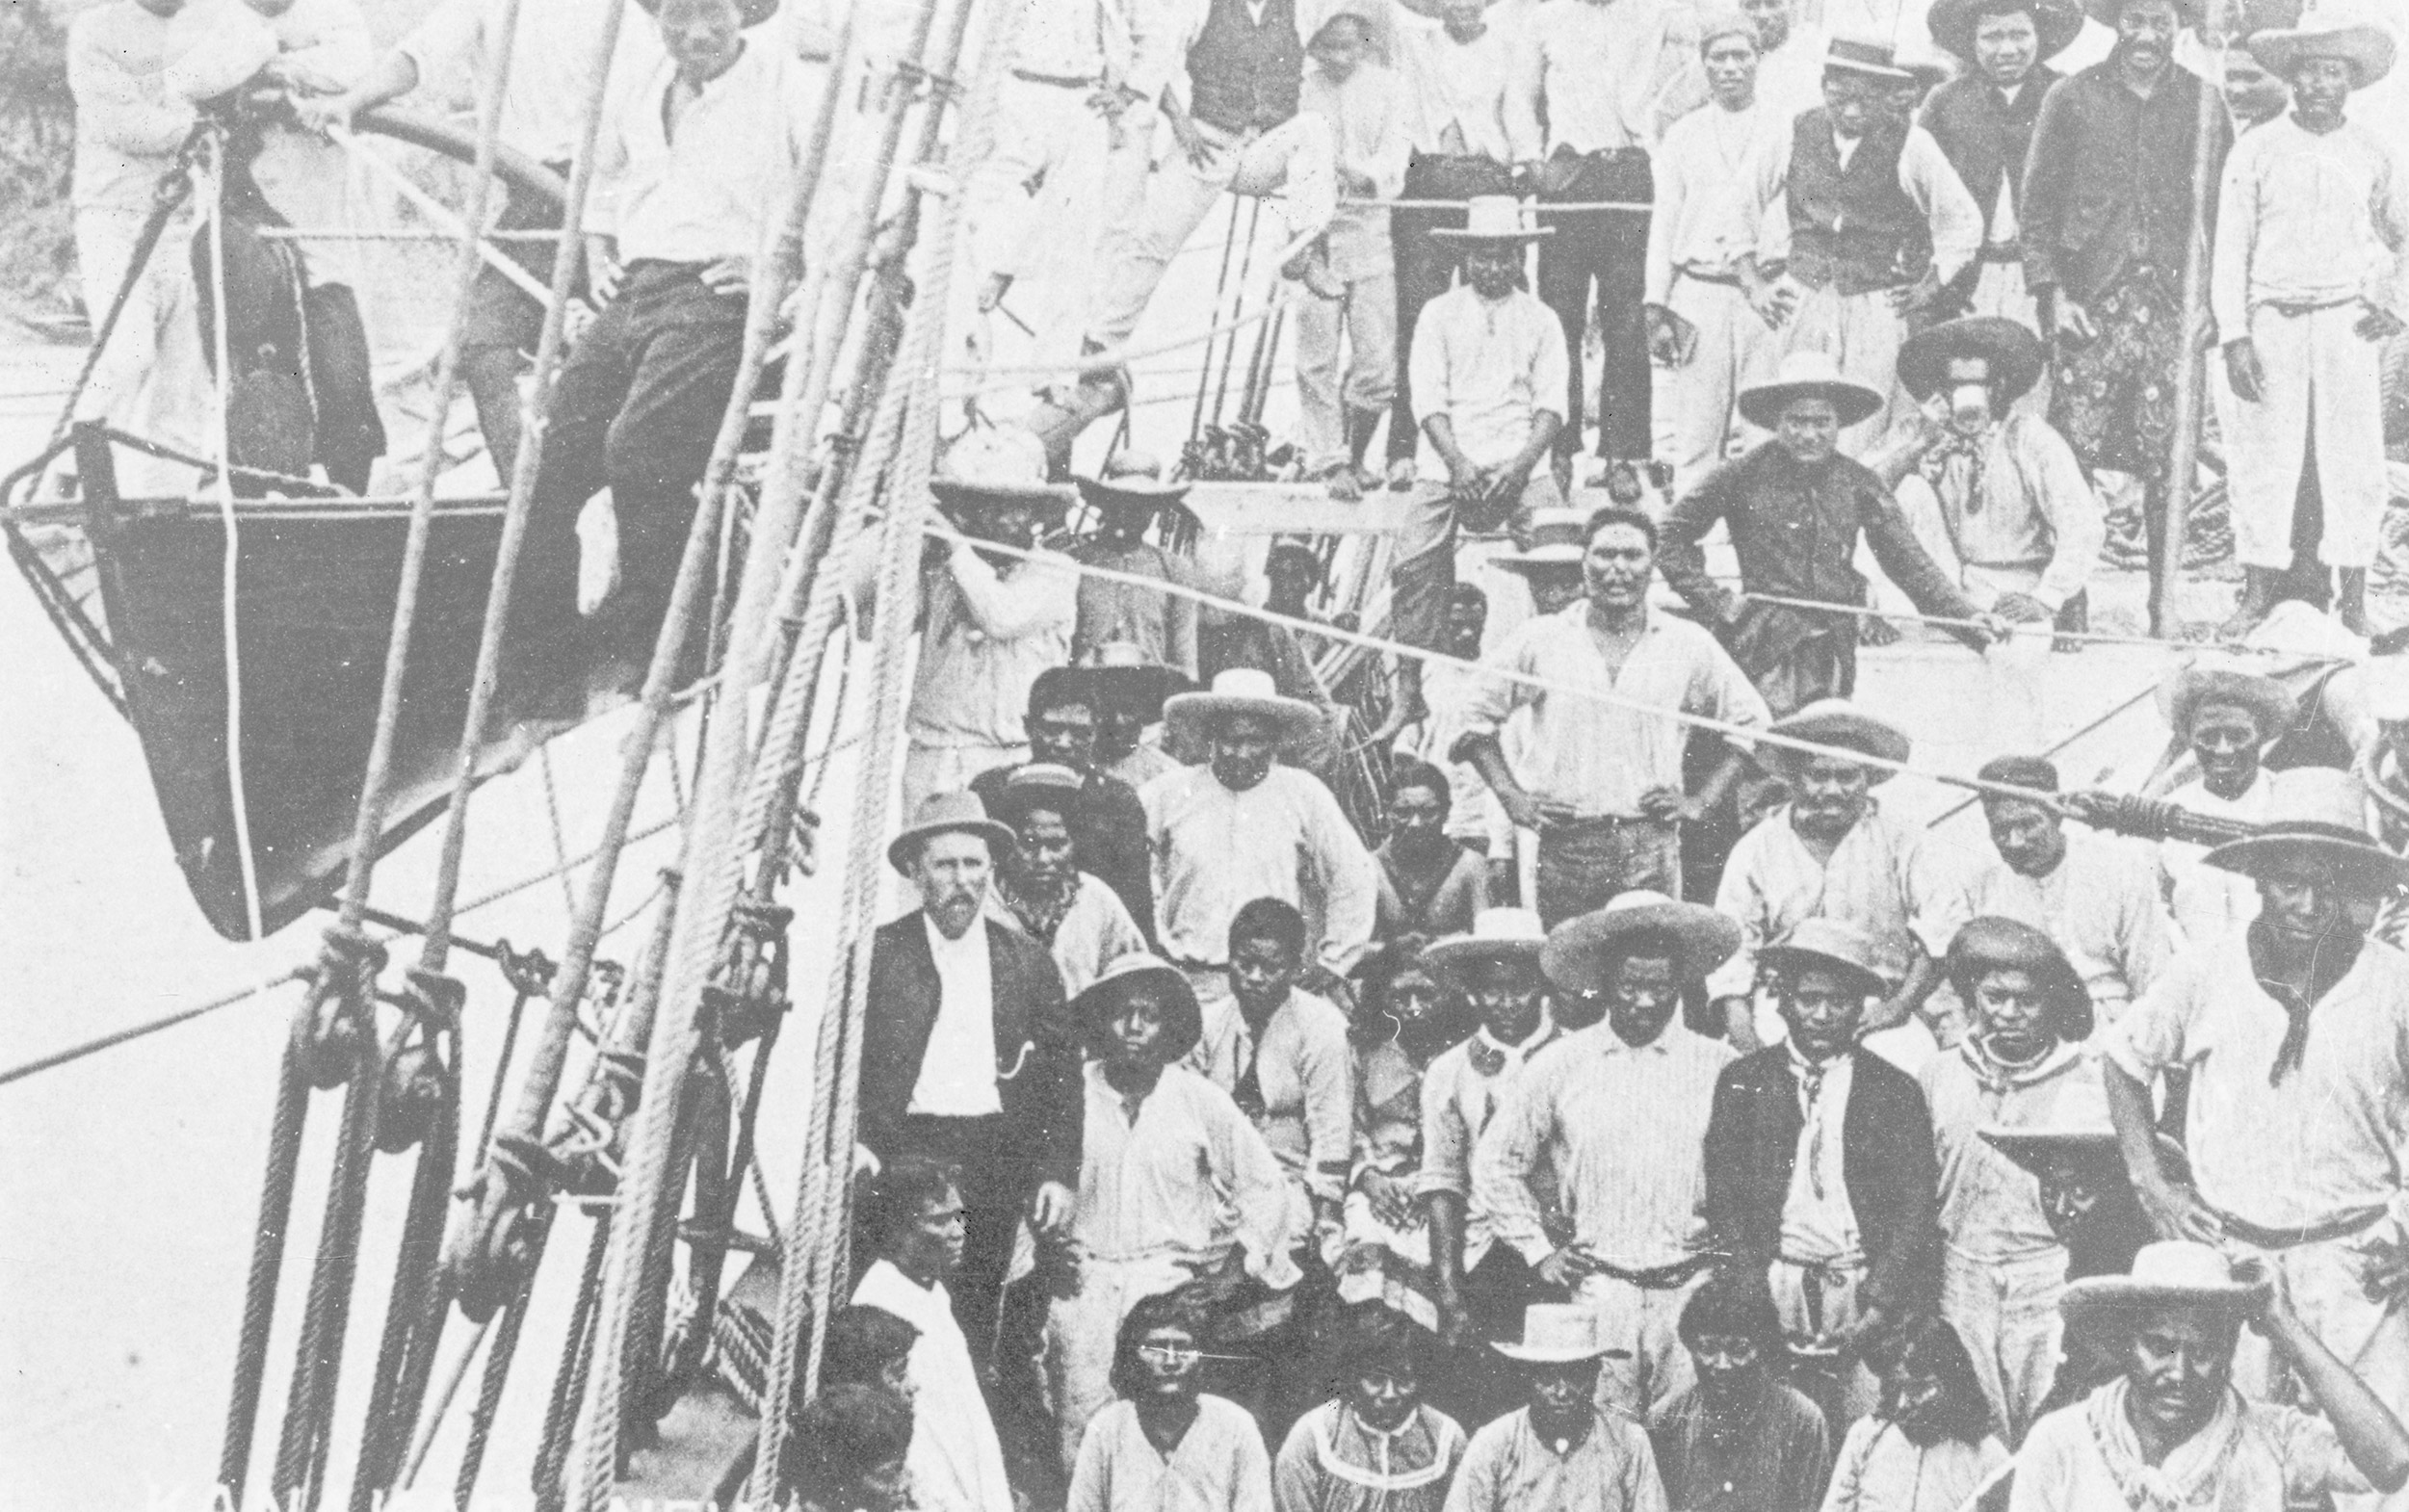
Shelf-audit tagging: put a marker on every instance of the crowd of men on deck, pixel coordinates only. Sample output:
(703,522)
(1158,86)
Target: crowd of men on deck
(1745,1149)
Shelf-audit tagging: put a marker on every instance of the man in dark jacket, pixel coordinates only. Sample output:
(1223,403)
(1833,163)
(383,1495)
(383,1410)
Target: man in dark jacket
(1820,1168)
(1108,824)
(2107,221)
(969,1054)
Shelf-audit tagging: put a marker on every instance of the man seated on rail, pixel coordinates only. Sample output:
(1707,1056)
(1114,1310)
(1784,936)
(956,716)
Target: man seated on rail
(693,157)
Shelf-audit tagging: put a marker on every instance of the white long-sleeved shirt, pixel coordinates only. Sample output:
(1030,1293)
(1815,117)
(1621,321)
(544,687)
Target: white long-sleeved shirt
(990,632)
(1489,367)
(957,1070)
(1602,76)
(138,80)
(1708,193)
(1306,1072)
(1882,876)
(549,62)
(955,1460)
(2019,499)
(1184,1180)
(1924,172)
(2099,904)
(1216,851)
(2308,218)
(1458,86)
(711,193)
(1789,79)
(1370,120)
(1061,38)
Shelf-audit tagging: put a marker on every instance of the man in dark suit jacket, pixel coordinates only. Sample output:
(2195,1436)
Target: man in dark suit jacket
(1820,1168)
(970,1054)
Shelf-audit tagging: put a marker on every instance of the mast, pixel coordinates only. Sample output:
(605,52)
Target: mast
(2183,452)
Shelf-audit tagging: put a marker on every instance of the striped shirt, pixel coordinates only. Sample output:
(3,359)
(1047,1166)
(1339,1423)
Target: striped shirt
(1882,878)
(1461,1094)
(1624,1129)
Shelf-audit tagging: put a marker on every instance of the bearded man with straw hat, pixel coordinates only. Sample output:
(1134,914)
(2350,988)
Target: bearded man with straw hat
(2295,1031)
(2172,1432)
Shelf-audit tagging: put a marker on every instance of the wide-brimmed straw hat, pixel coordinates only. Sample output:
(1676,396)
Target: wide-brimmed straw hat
(2346,29)
(1495,218)
(1105,996)
(2218,680)
(1555,537)
(1039,785)
(2078,1132)
(2169,1273)
(1242,689)
(1992,943)
(1582,952)
(1121,670)
(1833,944)
(1951,23)
(2013,355)
(748,12)
(2322,813)
(1808,375)
(1512,934)
(1130,477)
(1835,722)
(990,463)
(1863,54)
(1555,1333)
(2106,12)
(943,813)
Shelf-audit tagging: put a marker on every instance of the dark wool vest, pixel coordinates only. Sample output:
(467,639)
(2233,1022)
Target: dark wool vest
(1242,76)
(1853,227)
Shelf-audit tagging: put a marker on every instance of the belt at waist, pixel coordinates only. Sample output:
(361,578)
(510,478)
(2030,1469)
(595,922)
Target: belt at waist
(1609,823)
(2340,1226)
(1727,280)
(1060,81)
(1656,1278)
(1838,1266)
(2000,253)
(2295,308)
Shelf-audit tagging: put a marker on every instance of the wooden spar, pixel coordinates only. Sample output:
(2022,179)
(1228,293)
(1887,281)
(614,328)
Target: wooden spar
(2183,462)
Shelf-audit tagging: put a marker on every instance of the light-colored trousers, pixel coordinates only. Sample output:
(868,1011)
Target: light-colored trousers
(1046,134)
(2370,1336)
(2317,368)
(2005,1313)
(151,379)
(1367,316)
(1696,405)
(1646,1365)
(1815,1303)
(950,768)
(1863,334)
(1298,154)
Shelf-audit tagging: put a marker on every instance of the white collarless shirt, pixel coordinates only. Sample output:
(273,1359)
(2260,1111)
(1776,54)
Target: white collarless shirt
(958,1069)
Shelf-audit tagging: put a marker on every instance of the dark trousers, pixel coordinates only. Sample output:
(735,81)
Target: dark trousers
(1609,248)
(502,324)
(350,437)
(1584,863)
(1426,264)
(995,1183)
(637,408)
(1479,1384)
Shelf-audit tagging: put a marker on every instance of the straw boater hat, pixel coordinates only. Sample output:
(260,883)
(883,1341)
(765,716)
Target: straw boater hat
(1951,23)
(1495,218)
(1991,943)
(1832,944)
(1039,785)
(1835,722)
(2171,1272)
(1497,934)
(997,462)
(1555,537)
(2319,812)
(1242,689)
(1131,477)
(1108,991)
(2345,29)
(1808,375)
(1581,951)
(1555,1333)
(1121,668)
(2206,682)
(2012,355)
(943,813)
(1866,56)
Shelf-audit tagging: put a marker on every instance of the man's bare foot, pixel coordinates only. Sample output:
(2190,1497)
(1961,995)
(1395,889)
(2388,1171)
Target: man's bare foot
(2258,597)
(1402,474)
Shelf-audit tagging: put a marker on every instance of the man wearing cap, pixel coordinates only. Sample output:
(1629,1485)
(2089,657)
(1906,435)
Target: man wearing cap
(1594,86)
(1819,1169)
(690,163)
(1705,335)
(2172,1431)
(2106,222)
(1983,122)
(1832,852)
(2296,1024)
(2021,1065)
(1480,1285)
(1602,782)
(1618,1117)
(1488,361)
(1130,688)
(2311,278)
(1106,822)
(1867,221)
(1039,887)
(970,1054)
(1175,1185)
(1562,1452)
(2019,514)
(1128,497)
(1796,510)
(991,622)
(2097,898)
(1246,825)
